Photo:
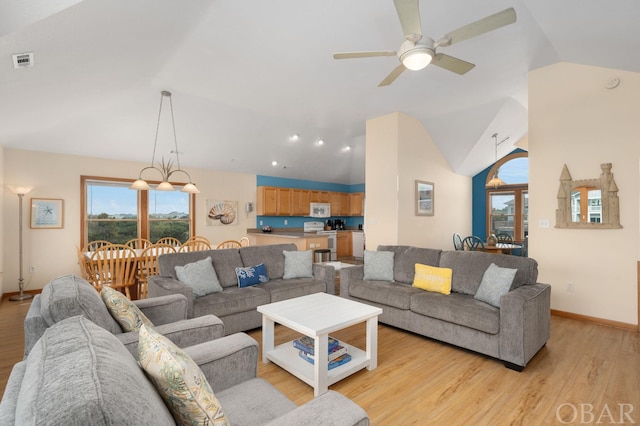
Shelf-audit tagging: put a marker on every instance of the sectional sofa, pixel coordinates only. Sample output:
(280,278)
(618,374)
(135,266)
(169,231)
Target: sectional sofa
(237,306)
(513,331)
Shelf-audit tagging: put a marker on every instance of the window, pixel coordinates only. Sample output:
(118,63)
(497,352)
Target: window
(508,205)
(113,212)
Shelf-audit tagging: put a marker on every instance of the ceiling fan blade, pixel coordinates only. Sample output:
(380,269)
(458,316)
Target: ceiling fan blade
(392,76)
(349,55)
(490,23)
(409,14)
(452,64)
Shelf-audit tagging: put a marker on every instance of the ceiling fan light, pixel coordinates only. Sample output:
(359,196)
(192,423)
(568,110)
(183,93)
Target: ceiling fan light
(417,58)
(164,186)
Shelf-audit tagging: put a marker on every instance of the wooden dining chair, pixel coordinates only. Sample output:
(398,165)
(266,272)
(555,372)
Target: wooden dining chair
(94,245)
(244,241)
(172,241)
(116,267)
(148,265)
(473,243)
(138,243)
(457,242)
(196,244)
(229,244)
(84,262)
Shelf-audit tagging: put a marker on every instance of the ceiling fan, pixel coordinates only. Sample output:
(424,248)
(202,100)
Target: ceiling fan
(417,51)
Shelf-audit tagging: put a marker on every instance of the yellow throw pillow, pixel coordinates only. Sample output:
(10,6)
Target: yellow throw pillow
(123,310)
(179,380)
(431,278)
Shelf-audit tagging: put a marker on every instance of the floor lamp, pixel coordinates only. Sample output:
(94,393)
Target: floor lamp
(20,191)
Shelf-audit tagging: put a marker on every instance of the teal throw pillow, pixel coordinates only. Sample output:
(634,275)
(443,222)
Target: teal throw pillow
(297,264)
(252,275)
(496,282)
(378,265)
(200,276)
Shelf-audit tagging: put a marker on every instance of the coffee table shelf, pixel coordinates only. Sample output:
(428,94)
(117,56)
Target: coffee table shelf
(286,356)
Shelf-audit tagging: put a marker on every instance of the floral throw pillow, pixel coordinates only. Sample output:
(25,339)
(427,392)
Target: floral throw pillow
(179,381)
(123,310)
(252,275)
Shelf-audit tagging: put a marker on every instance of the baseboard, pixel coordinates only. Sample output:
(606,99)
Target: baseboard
(601,321)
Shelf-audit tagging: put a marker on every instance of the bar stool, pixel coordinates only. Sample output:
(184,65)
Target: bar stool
(324,255)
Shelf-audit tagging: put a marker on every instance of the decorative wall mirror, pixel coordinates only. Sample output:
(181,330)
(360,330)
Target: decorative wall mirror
(588,203)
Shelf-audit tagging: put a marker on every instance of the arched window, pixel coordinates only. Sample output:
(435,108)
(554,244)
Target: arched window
(508,204)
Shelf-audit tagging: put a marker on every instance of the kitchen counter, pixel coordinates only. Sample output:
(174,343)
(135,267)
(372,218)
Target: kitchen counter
(303,240)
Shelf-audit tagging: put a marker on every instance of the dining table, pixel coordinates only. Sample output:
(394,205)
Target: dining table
(501,248)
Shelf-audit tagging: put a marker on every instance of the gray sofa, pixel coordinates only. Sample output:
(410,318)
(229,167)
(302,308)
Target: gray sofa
(513,333)
(70,295)
(91,378)
(236,306)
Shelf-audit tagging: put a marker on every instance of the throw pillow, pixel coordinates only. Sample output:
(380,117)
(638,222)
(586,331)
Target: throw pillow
(179,381)
(125,312)
(378,265)
(496,282)
(200,276)
(434,279)
(297,264)
(252,275)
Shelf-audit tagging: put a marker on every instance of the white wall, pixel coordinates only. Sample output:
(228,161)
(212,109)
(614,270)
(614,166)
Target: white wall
(575,120)
(399,152)
(2,207)
(52,251)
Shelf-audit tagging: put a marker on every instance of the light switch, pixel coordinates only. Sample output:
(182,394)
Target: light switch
(543,223)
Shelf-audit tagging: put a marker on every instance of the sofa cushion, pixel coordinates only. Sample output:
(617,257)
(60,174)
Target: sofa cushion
(391,293)
(68,296)
(378,265)
(297,264)
(179,381)
(456,308)
(254,402)
(432,278)
(200,276)
(271,255)
(95,381)
(231,301)
(469,266)
(496,282)
(225,262)
(287,289)
(252,275)
(167,262)
(128,315)
(406,257)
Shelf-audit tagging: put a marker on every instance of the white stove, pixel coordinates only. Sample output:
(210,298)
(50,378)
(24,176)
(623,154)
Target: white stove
(318,228)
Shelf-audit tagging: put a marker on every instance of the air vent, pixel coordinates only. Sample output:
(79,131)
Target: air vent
(23,60)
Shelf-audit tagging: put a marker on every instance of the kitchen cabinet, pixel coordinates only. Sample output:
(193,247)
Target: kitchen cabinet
(356,204)
(284,201)
(319,196)
(300,200)
(344,204)
(344,244)
(267,201)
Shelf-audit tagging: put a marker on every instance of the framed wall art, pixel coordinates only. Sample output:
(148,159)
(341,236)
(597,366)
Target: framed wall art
(424,198)
(47,213)
(221,212)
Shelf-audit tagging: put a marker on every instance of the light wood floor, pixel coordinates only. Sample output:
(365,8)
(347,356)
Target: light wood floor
(423,382)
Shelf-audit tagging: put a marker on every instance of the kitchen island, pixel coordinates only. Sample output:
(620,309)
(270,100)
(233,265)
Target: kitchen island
(303,240)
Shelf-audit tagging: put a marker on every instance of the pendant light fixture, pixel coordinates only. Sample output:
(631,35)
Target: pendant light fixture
(165,169)
(495,180)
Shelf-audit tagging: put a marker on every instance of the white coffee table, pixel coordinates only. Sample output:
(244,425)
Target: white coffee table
(317,315)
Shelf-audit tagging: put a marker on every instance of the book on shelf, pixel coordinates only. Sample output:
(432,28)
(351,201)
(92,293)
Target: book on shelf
(342,359)
(334,353)
(306,344)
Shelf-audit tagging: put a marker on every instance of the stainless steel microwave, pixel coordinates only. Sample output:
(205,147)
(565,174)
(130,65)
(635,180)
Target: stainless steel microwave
(320,210)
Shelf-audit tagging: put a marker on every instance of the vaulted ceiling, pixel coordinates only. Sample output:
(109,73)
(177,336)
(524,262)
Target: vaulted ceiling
(246,75)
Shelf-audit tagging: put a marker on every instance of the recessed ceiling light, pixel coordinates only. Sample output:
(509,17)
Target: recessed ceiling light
(274,163)
(347,148)
(295,137)
(320,142)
